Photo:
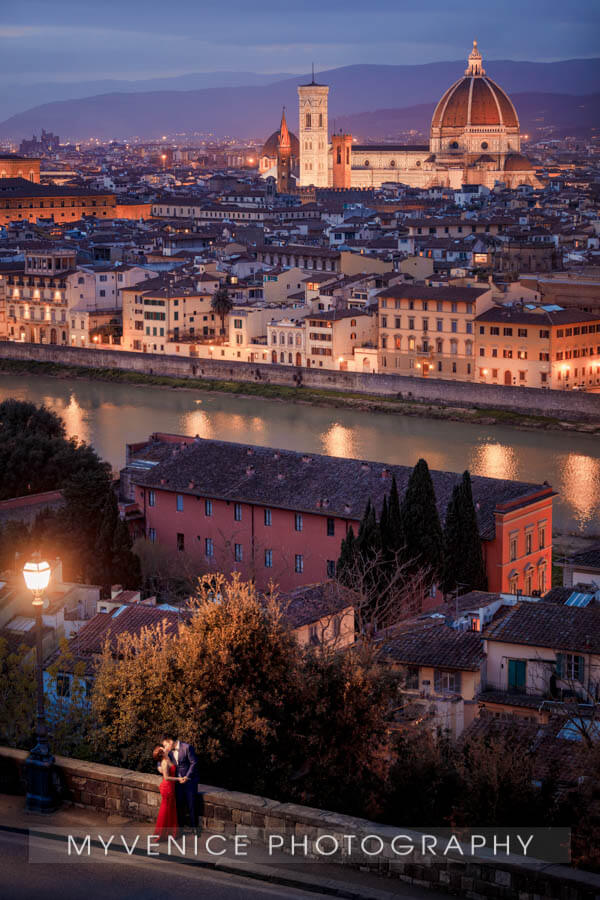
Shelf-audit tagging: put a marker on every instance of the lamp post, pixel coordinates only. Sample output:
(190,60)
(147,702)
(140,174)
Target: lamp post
(40,795)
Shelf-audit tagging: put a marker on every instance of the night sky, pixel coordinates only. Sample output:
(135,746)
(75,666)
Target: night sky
(70,40)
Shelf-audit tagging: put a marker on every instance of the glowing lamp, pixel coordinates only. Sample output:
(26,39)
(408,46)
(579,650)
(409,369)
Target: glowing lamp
(37,577)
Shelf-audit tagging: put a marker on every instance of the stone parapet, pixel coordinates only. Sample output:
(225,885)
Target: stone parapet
(135,795)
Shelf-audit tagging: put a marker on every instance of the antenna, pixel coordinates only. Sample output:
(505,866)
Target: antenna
(313,74)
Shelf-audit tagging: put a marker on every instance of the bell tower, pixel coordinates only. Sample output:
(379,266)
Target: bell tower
(284,157)
(313,134)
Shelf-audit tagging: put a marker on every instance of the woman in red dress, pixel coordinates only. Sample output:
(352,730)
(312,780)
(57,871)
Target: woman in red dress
(166,823)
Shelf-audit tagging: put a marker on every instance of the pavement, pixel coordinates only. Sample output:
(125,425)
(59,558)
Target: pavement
(36,859)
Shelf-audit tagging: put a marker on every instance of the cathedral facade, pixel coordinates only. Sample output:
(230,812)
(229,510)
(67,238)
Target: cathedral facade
(474,139)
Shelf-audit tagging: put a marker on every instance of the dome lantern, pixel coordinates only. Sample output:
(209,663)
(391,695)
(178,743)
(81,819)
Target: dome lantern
(475,66)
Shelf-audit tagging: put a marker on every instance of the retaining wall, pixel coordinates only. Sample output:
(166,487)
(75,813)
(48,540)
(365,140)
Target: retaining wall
(110,790)
(568,405)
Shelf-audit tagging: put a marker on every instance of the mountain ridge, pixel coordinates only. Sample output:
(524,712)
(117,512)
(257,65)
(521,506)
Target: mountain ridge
(254,110)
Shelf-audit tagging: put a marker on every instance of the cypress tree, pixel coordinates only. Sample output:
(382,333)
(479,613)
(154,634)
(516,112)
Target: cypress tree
(452,542)
(346,558)
(421,522)
(463,558)
(394,520)
(473,568)
(384,527)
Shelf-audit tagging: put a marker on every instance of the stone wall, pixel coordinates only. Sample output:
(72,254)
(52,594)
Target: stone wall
(136,795)
(569,405)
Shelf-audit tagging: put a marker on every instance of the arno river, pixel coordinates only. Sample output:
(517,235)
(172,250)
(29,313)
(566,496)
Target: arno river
(110,415)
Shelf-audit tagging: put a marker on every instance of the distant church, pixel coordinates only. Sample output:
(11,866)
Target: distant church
(474,139)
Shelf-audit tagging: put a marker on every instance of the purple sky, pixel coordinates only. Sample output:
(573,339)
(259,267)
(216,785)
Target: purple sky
(71,40)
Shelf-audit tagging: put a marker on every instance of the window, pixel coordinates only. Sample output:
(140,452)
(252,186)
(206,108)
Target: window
(411,678)
(494,329)
(268,559)
(63,685)
(180,542)
(331,568)
(179,503)
(521,332)
(152,535)
(208,507)
(517,675)
(299,563)
(330,527)
(513,548)
(298,522)
(268,517)
(446,681)
(237,512)
(570,667)
(454,326)
(529,542)
(507,332)
(151,498)
(209,548)
(439,324)
(238,552)
(541,537)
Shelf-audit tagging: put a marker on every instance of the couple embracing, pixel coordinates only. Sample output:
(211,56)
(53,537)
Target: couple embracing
(176,762)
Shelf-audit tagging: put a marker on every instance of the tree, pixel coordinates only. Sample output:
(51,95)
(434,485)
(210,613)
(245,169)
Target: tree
(222,304)
(394,539)
(463,565)
(35,455)
(421,526)
(17,695)
(264,714)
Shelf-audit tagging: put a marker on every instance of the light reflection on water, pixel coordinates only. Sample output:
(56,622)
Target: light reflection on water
(580,482)
(495,461)
(111,415)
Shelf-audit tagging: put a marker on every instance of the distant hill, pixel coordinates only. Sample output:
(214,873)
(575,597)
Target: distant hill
(16,98)
(254,111)
(573,115)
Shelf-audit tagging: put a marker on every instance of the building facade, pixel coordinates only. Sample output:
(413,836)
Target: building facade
(280,516)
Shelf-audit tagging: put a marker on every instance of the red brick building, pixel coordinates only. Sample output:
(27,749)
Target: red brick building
(278,515)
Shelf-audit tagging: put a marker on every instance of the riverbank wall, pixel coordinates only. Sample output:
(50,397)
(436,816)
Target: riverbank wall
(571,406)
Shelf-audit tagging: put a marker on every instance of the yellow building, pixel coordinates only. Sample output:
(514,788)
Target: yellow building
(429,331)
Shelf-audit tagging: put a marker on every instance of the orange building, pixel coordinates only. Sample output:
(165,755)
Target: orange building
(12,166)
(20,199)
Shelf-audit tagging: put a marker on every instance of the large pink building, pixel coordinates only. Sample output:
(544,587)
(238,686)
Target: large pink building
(279,516)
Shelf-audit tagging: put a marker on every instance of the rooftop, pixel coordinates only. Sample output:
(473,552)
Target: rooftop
(323,485)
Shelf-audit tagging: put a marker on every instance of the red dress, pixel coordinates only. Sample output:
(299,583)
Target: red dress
(166,822)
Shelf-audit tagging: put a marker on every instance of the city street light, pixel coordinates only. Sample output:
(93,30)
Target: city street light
(40,762)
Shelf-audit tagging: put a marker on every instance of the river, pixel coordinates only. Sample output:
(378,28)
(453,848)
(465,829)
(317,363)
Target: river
(111,415)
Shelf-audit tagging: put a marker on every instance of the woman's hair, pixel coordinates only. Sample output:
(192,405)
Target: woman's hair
(158,753)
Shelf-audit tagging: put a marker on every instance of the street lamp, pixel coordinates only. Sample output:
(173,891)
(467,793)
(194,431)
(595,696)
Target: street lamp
(40,762)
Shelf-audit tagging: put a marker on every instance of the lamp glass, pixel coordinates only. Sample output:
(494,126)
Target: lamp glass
(37,576)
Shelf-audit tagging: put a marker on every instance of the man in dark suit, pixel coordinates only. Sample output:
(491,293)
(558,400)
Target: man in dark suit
(183,756)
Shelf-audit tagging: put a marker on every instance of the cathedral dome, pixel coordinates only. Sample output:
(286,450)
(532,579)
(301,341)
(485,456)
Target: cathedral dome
(474,100)
(272,144)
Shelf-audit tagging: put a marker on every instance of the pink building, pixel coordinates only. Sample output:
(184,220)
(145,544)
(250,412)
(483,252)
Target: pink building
(280,516)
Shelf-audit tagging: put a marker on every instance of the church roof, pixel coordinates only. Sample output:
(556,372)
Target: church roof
(516,162)
(474,100)
(272,144)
